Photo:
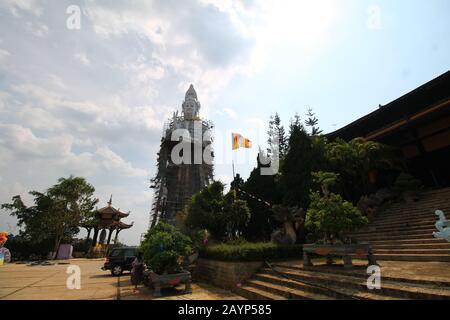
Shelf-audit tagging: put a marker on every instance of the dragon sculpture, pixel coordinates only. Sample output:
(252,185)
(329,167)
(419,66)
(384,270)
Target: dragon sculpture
(443,226)
(291,219)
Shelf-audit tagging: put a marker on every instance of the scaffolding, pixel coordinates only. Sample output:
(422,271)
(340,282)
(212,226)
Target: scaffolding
(174,184)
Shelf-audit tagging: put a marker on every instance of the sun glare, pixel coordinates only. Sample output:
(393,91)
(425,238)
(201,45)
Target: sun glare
(299,22)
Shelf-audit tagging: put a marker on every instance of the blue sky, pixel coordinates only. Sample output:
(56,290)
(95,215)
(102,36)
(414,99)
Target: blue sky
(93,101)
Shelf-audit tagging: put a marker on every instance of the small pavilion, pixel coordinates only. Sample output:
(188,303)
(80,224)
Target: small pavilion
(107,220)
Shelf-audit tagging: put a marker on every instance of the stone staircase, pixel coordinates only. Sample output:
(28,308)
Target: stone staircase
(404,231)
(288,281)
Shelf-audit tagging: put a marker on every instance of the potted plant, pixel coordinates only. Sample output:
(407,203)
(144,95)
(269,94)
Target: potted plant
(329,218)
(165,249)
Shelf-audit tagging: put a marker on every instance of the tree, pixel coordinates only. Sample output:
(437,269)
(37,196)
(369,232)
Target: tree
(329,216)
(298,163)
(277,138)
(163,246)
(354,161)
(57,213)
(222,215)
(237,215)
(260,190)
(312,122)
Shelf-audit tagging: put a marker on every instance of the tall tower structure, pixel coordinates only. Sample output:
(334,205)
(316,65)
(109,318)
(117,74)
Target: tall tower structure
(175,183)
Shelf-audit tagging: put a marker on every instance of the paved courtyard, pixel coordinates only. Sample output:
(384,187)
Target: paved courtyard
(24,282)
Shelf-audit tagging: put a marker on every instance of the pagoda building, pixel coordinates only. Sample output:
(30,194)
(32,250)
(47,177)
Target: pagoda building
(107,220)
(175,183)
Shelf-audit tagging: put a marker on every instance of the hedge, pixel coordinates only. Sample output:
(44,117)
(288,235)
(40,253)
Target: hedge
(258,251)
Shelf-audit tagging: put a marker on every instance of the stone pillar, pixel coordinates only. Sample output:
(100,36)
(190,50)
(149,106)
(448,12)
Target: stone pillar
(86,244)
(117,234)
(109,235)
(94,238)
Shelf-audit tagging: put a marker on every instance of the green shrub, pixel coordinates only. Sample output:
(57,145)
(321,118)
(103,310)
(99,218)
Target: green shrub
(164,247)
(258,251)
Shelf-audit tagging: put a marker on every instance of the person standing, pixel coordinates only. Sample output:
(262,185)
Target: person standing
(137,272)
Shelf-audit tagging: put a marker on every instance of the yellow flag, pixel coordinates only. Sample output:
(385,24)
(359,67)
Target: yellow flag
(240,142)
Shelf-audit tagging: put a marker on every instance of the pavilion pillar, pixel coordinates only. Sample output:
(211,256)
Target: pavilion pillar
(117,234)
(94,238)
(86,244)
(109,235)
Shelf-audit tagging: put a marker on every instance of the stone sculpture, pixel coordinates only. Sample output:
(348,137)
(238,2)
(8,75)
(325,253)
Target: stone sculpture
(443,226)
(291,219)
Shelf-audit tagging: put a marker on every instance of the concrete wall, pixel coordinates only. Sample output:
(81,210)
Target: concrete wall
(224,274)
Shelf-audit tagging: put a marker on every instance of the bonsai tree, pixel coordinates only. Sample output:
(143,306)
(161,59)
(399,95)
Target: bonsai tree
(164,248)
(329,216)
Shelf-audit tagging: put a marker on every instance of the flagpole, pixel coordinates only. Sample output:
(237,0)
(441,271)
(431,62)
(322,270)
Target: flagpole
(232,164)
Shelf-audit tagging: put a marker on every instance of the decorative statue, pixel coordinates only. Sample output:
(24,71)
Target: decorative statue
(443,226)
(5,255)
(292,220)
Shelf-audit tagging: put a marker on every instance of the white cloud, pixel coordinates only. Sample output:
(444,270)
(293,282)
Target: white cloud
(4,53)
(38,29)
(114,163)
(230,113)
(29,6)
(22,142)
(82,58)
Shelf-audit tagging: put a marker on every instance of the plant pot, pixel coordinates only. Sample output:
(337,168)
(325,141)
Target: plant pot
(346,251)
(160,281)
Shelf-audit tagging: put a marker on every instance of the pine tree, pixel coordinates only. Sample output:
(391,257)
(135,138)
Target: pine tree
(281,134)
(277,137)
(298,163)
(312,122)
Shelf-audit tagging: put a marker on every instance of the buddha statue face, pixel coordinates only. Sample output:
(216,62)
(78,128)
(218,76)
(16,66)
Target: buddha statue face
(191,106)
(189,109)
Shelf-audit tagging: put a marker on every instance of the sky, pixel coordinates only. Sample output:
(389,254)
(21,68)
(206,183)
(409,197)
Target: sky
(88,95)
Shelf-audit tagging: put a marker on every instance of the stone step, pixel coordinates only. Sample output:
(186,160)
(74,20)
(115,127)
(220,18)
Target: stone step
(409,229)
(287,292)
(416,211)
(394,289)
(363,275)
(253,293)
(397,228)
(414,251)
(412,246)
(329,292)
(403,220)
(411,222)
(414,257)
(408,241)
(404,216)
(429,203)
(422,200)
(371,238)
(424,230)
